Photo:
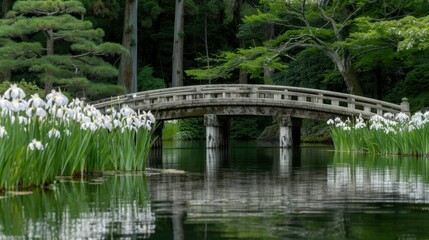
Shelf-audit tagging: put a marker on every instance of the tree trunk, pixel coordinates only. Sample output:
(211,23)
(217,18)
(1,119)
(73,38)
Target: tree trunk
(128,66)
(351,80)
(344,65)
(242,75)
(177,72)
(206,42)
(268,72)
(6,7)
(49,51)
(349,75)
(6,76)
(242,79)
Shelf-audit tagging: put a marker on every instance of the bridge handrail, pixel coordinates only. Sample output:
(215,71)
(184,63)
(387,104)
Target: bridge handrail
(283,93)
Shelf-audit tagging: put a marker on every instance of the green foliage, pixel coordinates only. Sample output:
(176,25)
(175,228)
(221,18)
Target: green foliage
(312,69)
(325,138)
(171,131)
(248,128)
(42,7)
(148,11)
(414,87)
(413,83)
(102,90)
(406,33)
(373,49)
(58,47)
(252,61)
(358,37)
(193,127)
(146,81)
(103,8)
(230,6)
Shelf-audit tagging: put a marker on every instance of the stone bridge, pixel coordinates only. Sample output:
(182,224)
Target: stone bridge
(217,102)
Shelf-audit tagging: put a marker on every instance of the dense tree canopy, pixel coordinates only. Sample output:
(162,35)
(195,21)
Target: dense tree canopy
(49,38)
(326,26)
(372,47)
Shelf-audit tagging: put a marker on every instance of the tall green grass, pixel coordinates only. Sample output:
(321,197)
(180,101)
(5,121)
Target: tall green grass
(40,140)
(172,131)
(388,134)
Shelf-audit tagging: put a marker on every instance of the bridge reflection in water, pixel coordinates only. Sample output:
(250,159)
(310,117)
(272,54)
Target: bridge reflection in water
(383,175)
(301,181)
(281,193)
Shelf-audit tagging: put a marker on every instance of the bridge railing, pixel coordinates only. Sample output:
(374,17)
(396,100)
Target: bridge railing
(259,93)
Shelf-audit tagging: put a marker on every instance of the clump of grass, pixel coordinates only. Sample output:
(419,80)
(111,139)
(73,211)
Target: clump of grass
(389,134)
(40,139)
(172,131)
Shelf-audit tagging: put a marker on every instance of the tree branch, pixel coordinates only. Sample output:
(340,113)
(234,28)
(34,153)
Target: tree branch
(375,48)
(333,24)
(87,54)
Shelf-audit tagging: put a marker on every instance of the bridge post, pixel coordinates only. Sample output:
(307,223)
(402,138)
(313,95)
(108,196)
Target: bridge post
(405,106)
(217,131)
(289,131)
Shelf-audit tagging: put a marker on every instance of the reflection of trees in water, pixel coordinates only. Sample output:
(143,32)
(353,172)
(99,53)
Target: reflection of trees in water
(296,194)
(294,185)
(239,192)
(119,206)
(387,178)
(305,195)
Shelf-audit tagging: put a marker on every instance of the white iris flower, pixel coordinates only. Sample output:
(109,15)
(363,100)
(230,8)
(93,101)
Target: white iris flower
(36,145)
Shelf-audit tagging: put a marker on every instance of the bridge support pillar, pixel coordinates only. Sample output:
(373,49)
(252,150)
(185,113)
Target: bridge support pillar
(289,131)
(217,131)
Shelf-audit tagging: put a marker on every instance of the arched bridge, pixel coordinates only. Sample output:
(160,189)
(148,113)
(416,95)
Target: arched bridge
(237,99)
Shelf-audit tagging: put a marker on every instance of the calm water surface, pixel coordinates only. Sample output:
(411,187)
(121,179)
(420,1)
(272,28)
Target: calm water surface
(251,191)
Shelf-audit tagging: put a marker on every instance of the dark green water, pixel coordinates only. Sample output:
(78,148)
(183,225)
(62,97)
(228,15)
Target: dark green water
(252,191)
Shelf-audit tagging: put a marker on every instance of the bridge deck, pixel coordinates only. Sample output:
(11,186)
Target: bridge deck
(236,99)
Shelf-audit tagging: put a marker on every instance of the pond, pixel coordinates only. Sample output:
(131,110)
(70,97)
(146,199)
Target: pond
(251,191)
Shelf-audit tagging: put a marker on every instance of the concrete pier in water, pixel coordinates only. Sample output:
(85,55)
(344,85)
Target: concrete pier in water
(217,131)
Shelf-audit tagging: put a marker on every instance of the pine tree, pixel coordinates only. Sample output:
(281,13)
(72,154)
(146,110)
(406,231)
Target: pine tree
(51,39)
